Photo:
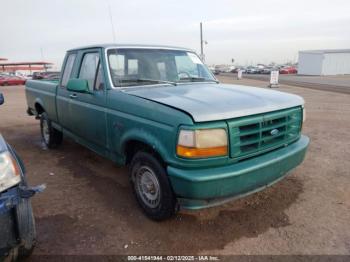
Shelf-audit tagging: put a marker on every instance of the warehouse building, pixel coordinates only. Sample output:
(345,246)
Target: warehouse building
(324,62)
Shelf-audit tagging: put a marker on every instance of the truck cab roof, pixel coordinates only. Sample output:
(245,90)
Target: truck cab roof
(141,46)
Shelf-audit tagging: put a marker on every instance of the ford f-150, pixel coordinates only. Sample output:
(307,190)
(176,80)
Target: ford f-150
(189,140)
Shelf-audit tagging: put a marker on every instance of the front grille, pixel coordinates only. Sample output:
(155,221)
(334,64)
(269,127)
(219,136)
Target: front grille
(253,135)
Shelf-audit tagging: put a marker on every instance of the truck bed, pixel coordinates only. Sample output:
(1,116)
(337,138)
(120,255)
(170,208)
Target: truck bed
(42,92)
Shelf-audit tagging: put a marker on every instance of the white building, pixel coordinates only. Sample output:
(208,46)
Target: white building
(324,62)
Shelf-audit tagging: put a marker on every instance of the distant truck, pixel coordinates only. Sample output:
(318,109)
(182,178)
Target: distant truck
(190,142)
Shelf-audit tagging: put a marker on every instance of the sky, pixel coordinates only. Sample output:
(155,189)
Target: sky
(249,32)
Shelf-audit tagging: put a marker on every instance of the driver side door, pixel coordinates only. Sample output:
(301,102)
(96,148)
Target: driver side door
(87,110)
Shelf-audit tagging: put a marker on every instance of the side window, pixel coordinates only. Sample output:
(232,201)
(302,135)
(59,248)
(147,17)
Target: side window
(88,68)
(68,69)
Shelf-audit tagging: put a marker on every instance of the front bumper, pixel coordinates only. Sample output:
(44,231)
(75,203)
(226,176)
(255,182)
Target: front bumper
(202,188)
(8,233)
(8,238)
(12,213)
(11,197)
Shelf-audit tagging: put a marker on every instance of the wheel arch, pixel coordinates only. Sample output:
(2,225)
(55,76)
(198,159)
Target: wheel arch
(39,107)
(137,138)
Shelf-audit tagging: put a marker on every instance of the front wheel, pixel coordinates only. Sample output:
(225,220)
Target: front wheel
(151,187)
(51,136)
(26,228)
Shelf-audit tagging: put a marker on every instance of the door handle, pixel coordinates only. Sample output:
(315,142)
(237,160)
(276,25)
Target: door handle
(73,96)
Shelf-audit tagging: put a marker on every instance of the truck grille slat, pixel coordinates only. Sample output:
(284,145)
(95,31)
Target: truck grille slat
(254,135)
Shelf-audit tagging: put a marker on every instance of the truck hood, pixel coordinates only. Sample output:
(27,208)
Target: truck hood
(209,102)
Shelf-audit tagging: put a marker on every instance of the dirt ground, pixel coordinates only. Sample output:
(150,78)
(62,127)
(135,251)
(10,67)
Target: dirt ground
(335,83)
(88,206)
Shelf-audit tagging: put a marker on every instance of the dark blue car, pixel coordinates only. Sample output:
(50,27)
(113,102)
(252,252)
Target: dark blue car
(17,226)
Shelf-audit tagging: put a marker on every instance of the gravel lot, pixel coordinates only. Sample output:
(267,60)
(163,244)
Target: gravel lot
(88,207)
(338,83)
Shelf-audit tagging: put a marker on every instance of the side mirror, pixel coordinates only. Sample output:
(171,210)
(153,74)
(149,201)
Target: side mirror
(2,99)
(78,85)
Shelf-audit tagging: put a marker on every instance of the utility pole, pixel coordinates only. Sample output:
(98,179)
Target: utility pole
(42,60)
(203,42)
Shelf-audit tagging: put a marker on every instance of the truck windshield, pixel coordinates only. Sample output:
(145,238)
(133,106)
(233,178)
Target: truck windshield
(134,67)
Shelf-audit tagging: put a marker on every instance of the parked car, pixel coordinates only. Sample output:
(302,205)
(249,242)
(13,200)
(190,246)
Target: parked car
(215,71)
(2,75)
(220,68)
(288,70)
(236,70)
(37,75)
(17,226)
(239,69)
(252,70)
(267,70)
(12,80)
(46,75)
(28,77)
(52,76)
(190,142)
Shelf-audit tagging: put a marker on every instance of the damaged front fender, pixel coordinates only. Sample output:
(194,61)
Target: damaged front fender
(11,197)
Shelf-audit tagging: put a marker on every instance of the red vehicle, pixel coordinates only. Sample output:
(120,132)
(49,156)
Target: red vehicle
(11,80)
(288,70)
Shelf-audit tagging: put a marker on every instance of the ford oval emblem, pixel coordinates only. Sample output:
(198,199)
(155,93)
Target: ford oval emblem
(274,132)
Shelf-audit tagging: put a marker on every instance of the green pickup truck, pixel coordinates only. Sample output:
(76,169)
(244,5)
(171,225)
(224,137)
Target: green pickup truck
(189,141)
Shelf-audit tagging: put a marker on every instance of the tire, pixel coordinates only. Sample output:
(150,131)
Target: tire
(151,187)
(26,228)
(51,136)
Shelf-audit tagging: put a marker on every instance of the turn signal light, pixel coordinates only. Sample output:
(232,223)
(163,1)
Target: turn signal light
(190,152)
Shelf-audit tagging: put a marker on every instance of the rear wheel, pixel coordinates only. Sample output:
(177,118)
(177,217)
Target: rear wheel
(151,187)
(51,136)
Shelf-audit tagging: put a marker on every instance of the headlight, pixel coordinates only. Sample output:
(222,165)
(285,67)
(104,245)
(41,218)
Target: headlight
(9,171)
(202,143)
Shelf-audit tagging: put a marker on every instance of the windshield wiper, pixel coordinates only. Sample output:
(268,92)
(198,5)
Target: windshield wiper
(198,79)
(147,80)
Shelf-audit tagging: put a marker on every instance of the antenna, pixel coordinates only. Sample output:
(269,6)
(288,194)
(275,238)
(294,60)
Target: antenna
(111,20)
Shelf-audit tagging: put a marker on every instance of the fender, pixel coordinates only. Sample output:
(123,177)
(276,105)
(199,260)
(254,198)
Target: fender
(145,137)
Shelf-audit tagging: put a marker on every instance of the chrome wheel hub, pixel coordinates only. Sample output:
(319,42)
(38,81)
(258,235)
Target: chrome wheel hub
(147,186)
